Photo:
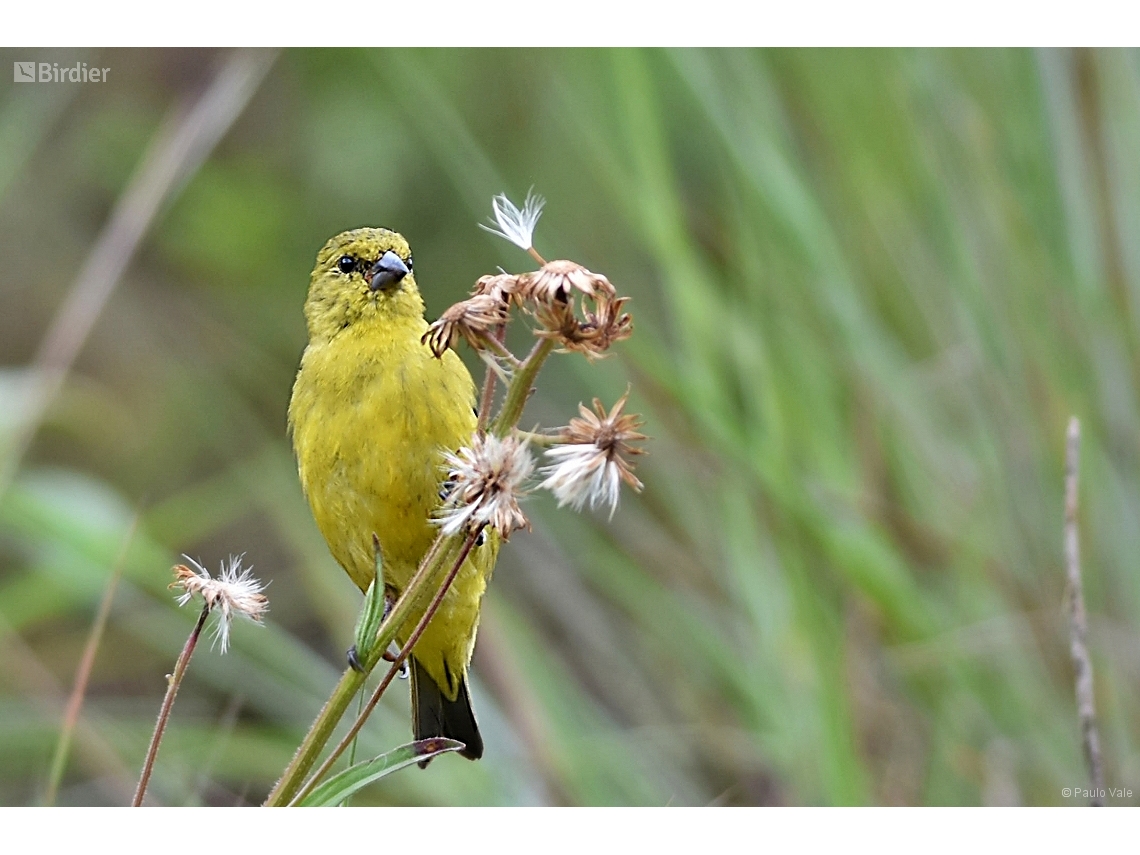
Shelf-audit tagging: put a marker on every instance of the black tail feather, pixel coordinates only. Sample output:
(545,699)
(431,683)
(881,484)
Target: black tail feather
(434,715)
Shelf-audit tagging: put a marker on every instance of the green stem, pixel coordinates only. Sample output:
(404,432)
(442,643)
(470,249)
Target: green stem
(541,440)
(494,341)
(494,367)
(362,717)
(426,579)
(521,384)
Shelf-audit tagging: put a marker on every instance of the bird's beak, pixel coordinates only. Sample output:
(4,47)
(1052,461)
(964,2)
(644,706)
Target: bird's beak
(387,271)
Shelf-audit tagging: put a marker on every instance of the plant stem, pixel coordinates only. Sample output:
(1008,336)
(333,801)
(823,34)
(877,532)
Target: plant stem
(1078,620)
(487,397)
(83,672)
(168,703)
(494,342)
(488,360)
(405,651)
(541,440)
(427,576)
(520,387)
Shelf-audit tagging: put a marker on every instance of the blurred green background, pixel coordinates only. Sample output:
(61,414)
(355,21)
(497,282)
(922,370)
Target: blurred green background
(869,290)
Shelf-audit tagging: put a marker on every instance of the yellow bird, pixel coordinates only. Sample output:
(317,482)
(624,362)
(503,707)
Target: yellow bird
(372,411)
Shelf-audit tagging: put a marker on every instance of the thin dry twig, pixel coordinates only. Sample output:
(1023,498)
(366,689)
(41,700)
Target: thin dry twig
(83,672)
(1078,620)
(179,147)
(172,686)
(487,397)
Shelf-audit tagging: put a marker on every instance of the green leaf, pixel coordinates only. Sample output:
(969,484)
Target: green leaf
(339,787)
(372,612)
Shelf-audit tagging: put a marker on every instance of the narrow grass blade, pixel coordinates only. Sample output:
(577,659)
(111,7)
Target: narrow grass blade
(340,787)
(83,672)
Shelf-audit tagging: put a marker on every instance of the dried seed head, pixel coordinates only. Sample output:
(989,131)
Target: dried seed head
(589,465)
(234,592)
(488,479)
(470,319)
(502,286)
(555,281)
(515,225)
(594,334)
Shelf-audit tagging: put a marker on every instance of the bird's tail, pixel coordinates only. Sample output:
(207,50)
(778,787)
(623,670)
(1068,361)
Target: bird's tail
(434,715)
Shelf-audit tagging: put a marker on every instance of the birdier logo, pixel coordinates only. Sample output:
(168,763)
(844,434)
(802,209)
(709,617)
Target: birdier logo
(51,72)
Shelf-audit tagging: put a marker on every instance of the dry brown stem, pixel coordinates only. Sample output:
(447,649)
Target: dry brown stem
(1078,620)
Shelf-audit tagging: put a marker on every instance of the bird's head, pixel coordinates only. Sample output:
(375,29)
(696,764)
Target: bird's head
(360,275)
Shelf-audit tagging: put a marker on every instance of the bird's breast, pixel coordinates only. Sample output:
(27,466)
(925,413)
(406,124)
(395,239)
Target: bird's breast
(370,417)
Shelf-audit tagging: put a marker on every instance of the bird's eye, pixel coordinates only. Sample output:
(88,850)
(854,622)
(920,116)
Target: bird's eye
(346,264)
(409,263)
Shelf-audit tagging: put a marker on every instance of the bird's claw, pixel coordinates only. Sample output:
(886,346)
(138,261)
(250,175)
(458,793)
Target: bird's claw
(354,660)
